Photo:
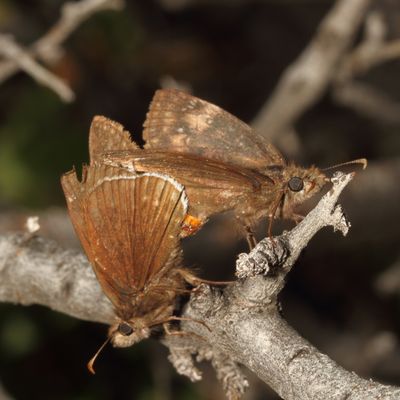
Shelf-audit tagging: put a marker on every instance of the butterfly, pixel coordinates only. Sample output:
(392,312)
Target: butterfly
(222,163)
(129,226)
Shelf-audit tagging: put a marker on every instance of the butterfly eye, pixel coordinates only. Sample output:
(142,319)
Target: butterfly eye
(125,329)
(295,184)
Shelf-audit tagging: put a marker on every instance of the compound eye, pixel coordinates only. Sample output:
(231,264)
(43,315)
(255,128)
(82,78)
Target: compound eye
(125,329)
(296,184)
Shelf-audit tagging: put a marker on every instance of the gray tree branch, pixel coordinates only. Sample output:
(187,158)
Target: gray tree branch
(34,270)
(244,322)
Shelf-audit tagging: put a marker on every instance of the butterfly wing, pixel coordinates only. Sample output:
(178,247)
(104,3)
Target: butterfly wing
(211,186)
(189,170)
(106,135)
(128,225)
(179,122)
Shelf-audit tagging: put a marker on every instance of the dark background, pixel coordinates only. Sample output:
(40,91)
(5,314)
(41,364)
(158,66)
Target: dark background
(231,55)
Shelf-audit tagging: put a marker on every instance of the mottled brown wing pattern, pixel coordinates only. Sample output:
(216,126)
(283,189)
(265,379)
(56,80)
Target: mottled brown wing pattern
(128,224)
(179,122)
(106,135)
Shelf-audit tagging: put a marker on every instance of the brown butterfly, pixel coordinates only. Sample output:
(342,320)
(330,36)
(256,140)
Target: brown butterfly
(222,163)
(129,226)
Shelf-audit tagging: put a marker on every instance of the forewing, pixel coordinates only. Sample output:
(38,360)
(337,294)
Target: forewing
(128,225)
(107,135)
(179,122)
(189,170)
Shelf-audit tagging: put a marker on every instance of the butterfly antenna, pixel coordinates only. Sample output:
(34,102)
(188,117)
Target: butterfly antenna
(362,161)
(93,359)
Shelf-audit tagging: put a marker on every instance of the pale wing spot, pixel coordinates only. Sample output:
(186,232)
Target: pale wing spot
(197,122)
(192,104)
(179,140)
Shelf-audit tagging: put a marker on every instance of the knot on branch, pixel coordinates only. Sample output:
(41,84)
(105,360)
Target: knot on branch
(341,223)
(183,358)
(264,259)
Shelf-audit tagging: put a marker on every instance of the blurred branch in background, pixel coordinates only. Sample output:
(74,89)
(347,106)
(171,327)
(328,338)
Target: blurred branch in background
(48,49)
(388,282)
(371,52)
(3,394)
(328,61)
(54,223)
(178,5)
(368,100)
(304,82)
(10,50)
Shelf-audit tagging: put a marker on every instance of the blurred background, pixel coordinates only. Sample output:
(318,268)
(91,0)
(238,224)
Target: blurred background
(343,295)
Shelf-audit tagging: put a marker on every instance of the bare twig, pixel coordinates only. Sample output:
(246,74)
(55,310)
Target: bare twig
(48,48)
(10,50)
(327,61)
(305,80)
(268,254)
(367,100)
(72,15)
(372,51)
(244,319)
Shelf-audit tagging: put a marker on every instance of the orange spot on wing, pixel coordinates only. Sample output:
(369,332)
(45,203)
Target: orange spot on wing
(191,225)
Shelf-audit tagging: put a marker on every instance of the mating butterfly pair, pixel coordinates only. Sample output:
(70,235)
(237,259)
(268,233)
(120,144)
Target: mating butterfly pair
(132,205)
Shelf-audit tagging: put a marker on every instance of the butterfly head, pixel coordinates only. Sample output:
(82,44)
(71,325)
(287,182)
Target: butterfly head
(127,333)
(302,183)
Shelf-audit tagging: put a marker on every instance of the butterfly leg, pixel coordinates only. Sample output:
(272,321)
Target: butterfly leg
(251,239)
(168,331)
(180,333)
(293,216)
(272,214)
(297,218)
(195,281)
(174,318)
